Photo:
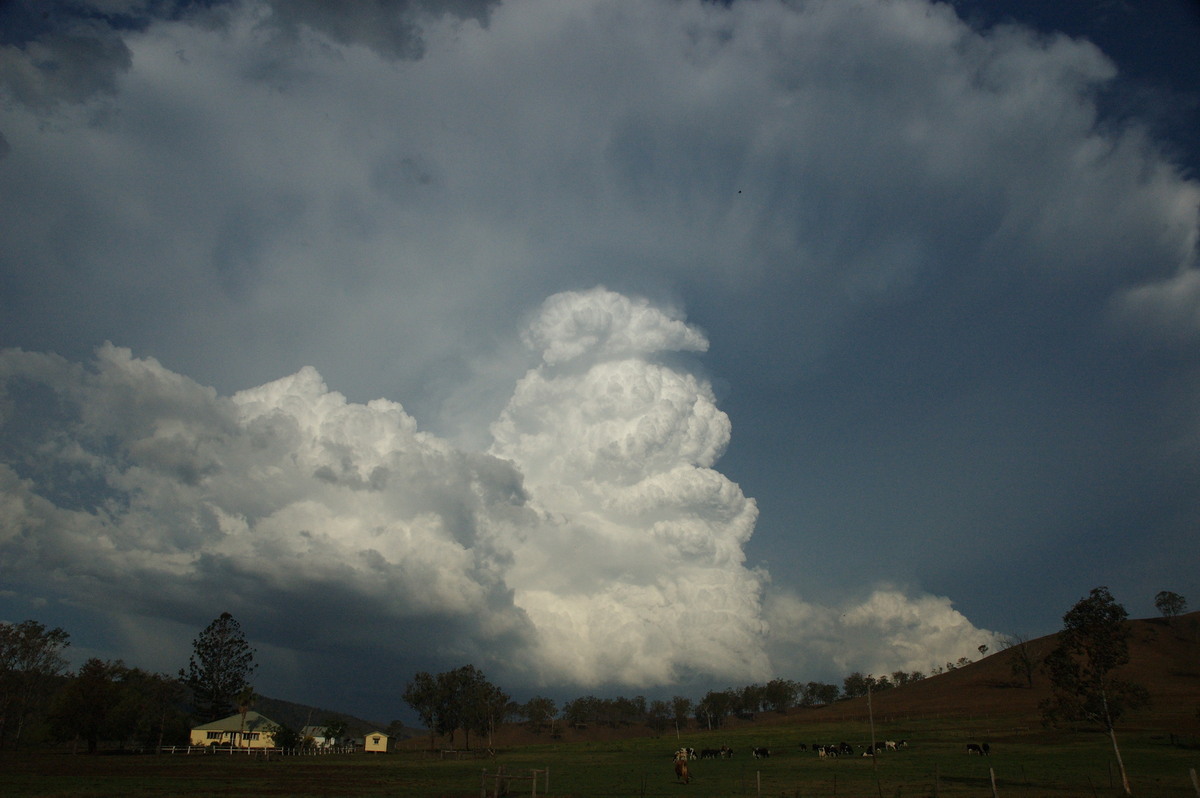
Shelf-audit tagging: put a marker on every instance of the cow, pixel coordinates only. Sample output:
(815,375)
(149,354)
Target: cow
(986,749)
(691,753)
(846,748)
(709,753)
(803,746)
(761,753)
(889,745)
(681,766)
(726,752)
(973,748)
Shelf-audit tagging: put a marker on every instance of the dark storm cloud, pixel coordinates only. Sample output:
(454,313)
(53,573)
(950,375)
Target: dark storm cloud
(948,294)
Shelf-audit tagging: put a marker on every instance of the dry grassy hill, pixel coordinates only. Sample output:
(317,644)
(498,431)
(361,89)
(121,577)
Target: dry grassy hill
(1165,657)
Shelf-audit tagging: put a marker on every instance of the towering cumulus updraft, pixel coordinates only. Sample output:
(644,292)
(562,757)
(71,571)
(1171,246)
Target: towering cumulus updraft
(636,574)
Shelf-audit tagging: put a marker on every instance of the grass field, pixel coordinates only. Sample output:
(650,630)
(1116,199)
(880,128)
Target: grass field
(1160,745)
(1026,762)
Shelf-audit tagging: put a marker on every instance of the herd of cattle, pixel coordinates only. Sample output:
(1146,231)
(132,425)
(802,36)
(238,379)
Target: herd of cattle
(682,755)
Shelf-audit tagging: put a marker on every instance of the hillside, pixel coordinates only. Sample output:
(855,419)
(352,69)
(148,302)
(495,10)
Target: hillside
(299,715)
(1164,657)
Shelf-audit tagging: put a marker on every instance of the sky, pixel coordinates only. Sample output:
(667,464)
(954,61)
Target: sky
(613,348)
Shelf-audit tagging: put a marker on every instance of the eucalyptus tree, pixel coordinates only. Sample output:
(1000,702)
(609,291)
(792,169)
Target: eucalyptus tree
(1084,669)
(681,709)
(422,695)
(459,699)
(30,658)
(780,694)
(1170,604)
(1022,665)
(539,712)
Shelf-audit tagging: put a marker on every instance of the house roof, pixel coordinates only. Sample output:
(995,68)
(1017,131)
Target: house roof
(254,722)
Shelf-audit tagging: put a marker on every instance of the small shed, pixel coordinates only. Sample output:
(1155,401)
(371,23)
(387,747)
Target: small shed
(376,742)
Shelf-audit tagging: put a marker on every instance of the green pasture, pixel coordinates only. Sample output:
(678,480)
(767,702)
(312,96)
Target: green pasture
(1026,762)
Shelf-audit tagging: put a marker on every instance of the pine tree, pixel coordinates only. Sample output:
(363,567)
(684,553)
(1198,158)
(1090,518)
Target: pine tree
(219,668)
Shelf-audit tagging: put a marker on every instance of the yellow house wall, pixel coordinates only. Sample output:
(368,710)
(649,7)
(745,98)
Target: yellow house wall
(369,743)
(200,737)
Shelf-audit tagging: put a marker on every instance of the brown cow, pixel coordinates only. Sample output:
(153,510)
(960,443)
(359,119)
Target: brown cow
(681,766)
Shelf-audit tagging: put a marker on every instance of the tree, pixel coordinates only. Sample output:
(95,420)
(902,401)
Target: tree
(334,731)
(285,736)
(483,704)
(539,711)
(658,715)
(457,699)
(854,685)
(86,706)
(30,658)
(681,709)
(153,704)
(422,695)
(244,701)
(714,707)
(1170,604)
(451,707)
(1022,665)
(780,694)
(1083,668)
(219,668)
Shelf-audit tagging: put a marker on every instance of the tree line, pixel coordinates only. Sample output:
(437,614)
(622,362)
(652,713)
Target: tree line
(107,700)
(463,700)
(41,701)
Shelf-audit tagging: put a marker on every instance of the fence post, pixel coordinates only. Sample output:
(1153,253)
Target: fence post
(1195,783)
(992,771)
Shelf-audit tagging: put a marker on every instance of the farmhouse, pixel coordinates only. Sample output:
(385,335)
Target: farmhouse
(376,741)
(315,736)
(254,731)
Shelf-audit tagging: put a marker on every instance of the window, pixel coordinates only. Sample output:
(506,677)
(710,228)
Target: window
(214,735)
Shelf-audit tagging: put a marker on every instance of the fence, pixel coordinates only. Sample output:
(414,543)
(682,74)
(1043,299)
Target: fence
(500,782)
(188,750)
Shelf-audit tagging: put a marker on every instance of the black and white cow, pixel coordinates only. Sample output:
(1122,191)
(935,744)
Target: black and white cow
(761,753)
(973,748)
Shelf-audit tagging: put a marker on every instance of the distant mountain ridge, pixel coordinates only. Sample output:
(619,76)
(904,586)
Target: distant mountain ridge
(297,716)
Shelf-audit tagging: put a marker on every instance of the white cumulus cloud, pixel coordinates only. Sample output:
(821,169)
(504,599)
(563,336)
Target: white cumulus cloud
(593,544)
